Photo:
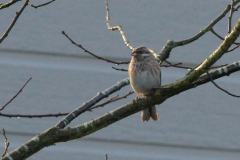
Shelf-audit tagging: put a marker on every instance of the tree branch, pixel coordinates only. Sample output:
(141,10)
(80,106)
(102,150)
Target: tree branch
(119,28)
(85,106)
(217,54)
(221,88)
(6,143)
(41,5)
(165,52)
(5,5)
(230,17)
(234,48)
(94,55)
(55,134)
(215,33)
(14,21)
(2,108)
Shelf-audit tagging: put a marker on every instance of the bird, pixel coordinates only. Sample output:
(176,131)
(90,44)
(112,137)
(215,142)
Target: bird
(145,74)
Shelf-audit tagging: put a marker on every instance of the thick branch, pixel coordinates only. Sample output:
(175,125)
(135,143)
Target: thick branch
(55,135)
(85,106)
(113,99)
(216,55)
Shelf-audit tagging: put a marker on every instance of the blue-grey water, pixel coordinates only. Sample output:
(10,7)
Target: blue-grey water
(201,123)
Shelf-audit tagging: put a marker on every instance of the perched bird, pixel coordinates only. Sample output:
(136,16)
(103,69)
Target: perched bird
(145,74)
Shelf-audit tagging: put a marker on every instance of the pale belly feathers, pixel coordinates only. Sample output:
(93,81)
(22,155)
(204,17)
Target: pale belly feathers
(144,82)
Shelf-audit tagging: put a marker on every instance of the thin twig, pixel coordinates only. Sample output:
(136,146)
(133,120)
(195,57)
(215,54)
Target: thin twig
(215,33)
(233,48)
(104,103)
(33,116)
(41,5)
(214,67)
(230,18)
(116,98)
(5,5)
(174,65)
(236,9)
(6,143)
(221,88)
(85,50)
(15,95)
(119,69)
(119,28)
(192,69)
(14,21)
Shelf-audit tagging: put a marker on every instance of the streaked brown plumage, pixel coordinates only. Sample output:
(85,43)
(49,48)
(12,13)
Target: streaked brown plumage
(145,74)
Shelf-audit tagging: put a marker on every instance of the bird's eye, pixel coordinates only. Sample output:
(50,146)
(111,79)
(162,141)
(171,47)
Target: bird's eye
(145,55)
(140,52)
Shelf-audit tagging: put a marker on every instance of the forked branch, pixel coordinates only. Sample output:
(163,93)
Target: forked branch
(116,28)
(14,21)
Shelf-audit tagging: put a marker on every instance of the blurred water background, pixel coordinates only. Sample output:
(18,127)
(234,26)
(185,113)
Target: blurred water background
(202,123)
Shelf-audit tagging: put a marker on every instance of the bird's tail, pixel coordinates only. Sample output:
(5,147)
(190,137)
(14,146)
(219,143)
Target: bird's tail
(150,112)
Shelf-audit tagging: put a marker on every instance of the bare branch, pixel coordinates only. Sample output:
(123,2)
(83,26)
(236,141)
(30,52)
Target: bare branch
(119,28)
(41,5)
(230,18)
(175,65)
(221,88)
(214,67)
(85,106)
(15,95)
(119,69)
(116,98)
(165,52)
(14,21)
(233,48)
(215,33)
(56,134)
(85,50)
(33,116)
(6,143)
(214,57)
(236,9)
(5,5)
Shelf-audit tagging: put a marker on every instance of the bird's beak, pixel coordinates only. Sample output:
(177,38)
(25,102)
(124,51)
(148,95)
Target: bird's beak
(133,53)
